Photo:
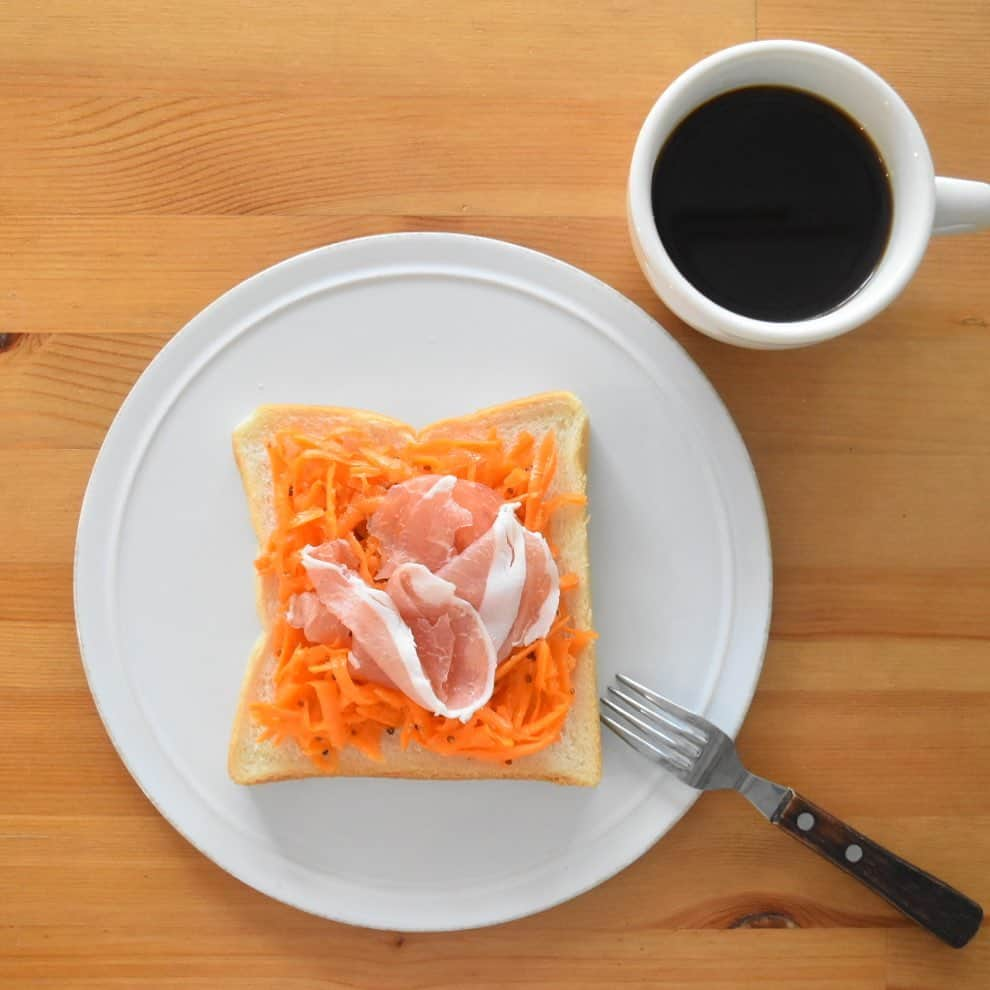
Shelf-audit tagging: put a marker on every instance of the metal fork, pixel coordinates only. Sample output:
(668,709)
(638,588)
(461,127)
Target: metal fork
(704,757)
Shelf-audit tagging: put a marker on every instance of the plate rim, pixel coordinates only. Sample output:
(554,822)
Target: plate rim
(729,430)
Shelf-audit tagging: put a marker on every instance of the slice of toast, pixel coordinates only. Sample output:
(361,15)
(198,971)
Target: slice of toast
(576,757)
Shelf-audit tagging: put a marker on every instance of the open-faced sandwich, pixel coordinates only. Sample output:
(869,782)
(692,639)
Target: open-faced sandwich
(424,596)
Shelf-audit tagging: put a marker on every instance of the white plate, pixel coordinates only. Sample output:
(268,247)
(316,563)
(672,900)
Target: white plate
(419,326)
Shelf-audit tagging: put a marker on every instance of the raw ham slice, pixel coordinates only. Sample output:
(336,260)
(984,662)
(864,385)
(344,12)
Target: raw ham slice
(318,626)
(458,675)
(305,611)
(335,552)
(365,668)
(540,597)
(491,574)
(429,519)
(454,647)
(510,577)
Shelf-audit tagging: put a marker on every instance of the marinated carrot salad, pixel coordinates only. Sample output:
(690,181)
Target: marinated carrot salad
(327,488)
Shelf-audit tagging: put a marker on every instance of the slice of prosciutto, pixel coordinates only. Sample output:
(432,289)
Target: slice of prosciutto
(421,638)
(305,611)
(455,650)
(510,577)
(429,519)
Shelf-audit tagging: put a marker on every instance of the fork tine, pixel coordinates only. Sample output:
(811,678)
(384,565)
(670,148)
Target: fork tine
(694,725)
(656,739)
(642,745)
(676,738)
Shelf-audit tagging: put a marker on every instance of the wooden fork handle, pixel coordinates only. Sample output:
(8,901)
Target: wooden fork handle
(934,905)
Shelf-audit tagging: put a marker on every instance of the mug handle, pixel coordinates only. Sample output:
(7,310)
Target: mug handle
(961,205)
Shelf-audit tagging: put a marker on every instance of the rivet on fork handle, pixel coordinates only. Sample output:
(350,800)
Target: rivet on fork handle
(942,909)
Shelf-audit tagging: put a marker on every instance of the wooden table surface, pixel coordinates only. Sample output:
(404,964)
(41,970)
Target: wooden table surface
(157,153)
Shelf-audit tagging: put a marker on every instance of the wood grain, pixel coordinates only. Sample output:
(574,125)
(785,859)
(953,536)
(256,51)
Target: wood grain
(157,154)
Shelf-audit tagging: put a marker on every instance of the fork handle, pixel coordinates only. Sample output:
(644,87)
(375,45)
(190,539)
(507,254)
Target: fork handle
(933,904)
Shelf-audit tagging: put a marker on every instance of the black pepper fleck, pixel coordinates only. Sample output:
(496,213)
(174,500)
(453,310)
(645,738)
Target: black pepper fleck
(326,752)
(390,731)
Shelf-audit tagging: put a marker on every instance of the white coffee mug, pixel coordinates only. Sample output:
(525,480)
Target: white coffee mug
(923,204)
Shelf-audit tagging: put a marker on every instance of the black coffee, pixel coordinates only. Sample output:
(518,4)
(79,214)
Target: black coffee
(772,202)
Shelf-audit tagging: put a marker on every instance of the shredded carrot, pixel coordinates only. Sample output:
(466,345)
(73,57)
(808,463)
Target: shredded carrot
(327,487)
(540,477)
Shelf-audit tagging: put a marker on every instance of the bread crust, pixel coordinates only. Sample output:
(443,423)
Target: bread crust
(573,759)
